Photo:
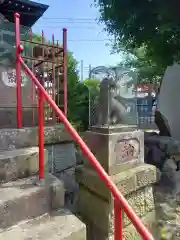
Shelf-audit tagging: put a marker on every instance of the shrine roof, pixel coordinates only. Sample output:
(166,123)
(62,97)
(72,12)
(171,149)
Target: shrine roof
(29,11)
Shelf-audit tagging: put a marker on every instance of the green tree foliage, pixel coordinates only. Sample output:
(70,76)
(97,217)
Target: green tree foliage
(81,98)
(92,84)
(151,24)
(78,110)
(147,70)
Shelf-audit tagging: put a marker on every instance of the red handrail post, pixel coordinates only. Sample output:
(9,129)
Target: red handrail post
(18,71)
(118,221)
(41,135)
(41,120)
(65,62)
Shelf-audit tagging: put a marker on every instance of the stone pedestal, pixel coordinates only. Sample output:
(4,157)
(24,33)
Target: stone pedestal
(133,178)
(117,148)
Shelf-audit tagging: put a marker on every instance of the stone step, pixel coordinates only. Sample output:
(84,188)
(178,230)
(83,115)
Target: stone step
(61,225)
(29,137)
(19,163)
(25,199)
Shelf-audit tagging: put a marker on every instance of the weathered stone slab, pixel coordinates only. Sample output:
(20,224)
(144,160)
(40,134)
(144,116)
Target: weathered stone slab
(61,225)
(116,128)
(116,150)
(8,95)
(127,181)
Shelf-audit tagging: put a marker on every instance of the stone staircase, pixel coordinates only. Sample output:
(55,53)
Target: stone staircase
(29,210)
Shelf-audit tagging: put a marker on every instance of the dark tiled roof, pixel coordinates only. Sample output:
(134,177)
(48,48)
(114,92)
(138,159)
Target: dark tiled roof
(29,11)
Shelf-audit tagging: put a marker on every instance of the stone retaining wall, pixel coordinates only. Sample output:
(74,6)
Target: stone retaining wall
(95,203)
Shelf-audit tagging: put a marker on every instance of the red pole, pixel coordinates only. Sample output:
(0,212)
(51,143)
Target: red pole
(18,71)
(41,136)
(53,79)
(118,221)
(41,121)
(143,231)
(65,68)
(32,86)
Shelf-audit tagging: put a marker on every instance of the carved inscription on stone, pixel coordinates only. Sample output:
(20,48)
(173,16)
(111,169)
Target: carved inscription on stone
(126,150)
(9,77)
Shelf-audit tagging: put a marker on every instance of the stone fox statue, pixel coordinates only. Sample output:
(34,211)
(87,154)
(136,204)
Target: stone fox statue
(109,110)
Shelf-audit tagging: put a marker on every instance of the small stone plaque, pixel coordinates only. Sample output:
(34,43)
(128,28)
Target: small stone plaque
(126,150)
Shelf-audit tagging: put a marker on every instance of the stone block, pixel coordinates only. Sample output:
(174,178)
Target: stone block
(8,117)
(24,199)
(56,192)
(116,150)
(127,181)
(129,232)
(100,212)
(20,163)
(61,156)
(142,202)
(61,225)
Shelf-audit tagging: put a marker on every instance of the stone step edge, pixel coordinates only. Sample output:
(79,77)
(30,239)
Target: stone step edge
(61,223)
(24,199)
(20,163)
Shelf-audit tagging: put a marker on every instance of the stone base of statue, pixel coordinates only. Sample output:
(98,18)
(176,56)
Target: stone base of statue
(120,150)
(117,147)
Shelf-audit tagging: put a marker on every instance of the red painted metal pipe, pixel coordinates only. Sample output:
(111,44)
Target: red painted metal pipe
(41,120)
(32,85)
(41,135)
(54,87)
(18,71)
(65,63)
(118,221)
(143,231)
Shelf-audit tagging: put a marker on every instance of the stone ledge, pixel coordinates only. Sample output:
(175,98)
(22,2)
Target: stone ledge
(127,181)
(61,225)
(28,137)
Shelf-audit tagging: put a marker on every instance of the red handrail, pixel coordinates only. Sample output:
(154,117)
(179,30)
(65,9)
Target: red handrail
(100,170)
(120,203)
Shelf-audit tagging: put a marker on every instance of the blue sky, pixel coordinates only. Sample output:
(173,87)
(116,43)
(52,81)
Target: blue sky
(86,38)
